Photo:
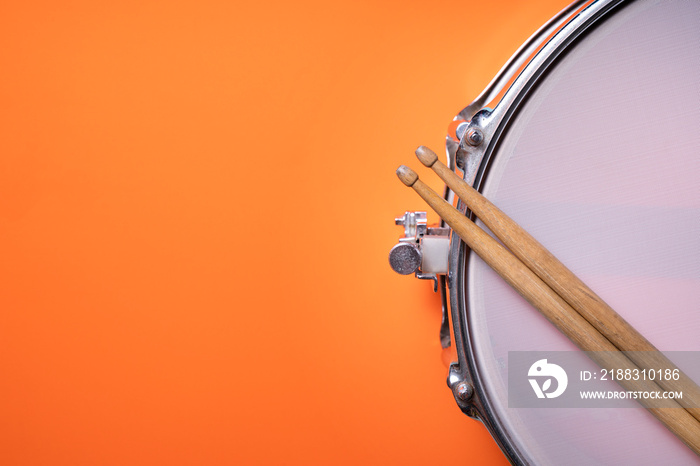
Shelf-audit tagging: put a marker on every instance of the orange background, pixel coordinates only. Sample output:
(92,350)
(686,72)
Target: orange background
(196,208)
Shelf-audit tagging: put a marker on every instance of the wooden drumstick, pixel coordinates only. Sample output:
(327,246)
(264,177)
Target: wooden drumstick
(565,283)
(553,307)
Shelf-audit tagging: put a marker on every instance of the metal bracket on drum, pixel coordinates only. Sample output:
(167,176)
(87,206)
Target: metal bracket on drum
(424,251)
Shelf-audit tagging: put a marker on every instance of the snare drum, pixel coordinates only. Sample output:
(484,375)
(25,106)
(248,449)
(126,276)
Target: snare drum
(595,150)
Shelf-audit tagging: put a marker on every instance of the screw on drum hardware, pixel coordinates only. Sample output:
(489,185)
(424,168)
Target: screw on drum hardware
(474,137)
(463,391)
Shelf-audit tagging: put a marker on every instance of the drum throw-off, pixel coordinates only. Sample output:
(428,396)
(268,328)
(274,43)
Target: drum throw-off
(559,295)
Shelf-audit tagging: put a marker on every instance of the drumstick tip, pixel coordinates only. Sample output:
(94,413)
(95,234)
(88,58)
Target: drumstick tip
(426,156)
(406,175)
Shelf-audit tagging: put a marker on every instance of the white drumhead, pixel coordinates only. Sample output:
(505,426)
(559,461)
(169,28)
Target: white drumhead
(602,165)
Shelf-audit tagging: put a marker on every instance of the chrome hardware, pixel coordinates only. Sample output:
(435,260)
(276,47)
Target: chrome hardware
(429,276)
(463,391)
(415,224)
(423,250)
(405,258)
(474,137)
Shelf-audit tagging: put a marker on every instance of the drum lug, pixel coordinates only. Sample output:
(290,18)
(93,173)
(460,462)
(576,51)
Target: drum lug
(474,136)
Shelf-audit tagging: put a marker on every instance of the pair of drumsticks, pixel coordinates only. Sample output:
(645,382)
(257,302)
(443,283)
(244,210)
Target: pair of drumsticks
(560,296)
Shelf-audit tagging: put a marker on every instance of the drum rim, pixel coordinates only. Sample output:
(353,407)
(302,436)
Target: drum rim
(493,124)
